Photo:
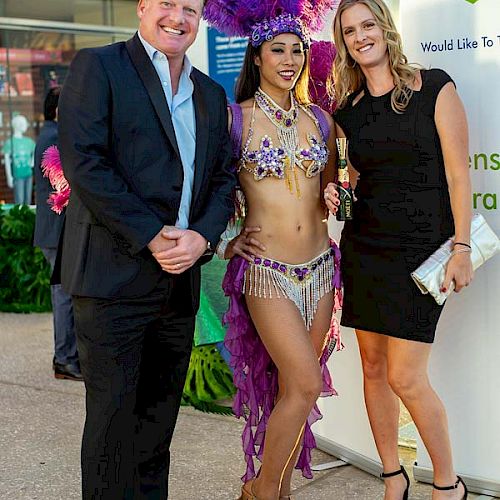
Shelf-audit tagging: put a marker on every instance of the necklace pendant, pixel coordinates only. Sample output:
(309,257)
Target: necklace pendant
(288,177)
(286,128)
(297,186)
(277,115)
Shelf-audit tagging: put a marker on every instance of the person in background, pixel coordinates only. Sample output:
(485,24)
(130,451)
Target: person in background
(408,139)
(48,226)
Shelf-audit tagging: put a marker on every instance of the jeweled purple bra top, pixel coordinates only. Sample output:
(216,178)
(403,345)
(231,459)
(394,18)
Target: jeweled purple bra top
(271,161)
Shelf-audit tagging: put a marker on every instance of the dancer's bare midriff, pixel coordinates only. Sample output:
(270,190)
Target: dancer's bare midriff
(293,229)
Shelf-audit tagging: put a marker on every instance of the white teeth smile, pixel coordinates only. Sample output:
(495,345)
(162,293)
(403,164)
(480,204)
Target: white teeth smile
(287,73)
(172,30)
(365,48)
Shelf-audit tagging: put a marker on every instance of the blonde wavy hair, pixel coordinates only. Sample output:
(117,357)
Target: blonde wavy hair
(347,76)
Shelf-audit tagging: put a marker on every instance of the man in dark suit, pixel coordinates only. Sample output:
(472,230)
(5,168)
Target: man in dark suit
(145,148)
(48,227)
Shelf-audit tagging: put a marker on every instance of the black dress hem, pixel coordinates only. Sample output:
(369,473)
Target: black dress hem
(398,335)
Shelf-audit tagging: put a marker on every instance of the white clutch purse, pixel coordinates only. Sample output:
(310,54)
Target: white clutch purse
(429,276)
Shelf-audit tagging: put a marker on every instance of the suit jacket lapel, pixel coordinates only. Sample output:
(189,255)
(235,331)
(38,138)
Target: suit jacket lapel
(149,77)
(202,129)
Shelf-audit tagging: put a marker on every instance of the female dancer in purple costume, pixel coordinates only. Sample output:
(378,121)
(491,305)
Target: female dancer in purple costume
(283,264)
(413,193)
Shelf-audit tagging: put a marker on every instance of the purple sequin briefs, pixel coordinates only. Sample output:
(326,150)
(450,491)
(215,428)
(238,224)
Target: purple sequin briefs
(256,376)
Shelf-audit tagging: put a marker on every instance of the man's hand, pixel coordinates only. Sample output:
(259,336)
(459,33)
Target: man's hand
(189,246)
(159,243)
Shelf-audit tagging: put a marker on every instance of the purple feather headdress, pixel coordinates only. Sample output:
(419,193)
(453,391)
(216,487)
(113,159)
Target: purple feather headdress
(262,20)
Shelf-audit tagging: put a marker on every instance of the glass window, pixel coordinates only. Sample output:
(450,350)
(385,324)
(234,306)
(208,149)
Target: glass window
(124,14)
(100,12)
(31,62)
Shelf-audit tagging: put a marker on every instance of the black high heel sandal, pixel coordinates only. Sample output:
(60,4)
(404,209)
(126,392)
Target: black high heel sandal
(453,487)
(385,475)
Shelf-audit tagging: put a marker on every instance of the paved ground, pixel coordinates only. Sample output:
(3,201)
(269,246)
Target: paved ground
(41,421)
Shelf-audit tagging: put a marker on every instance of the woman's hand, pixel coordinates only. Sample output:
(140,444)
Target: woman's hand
(459,270)
(245,245)
(331,196)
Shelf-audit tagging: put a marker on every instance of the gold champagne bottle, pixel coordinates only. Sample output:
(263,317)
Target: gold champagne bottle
(344,211)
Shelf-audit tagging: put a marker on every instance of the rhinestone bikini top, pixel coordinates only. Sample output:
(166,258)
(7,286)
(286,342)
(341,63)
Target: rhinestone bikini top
(271,161)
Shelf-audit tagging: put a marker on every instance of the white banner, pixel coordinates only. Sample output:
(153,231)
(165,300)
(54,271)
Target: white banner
(463,38)
(345,430)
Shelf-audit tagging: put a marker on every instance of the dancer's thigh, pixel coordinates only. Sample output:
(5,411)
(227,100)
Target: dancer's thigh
(321,323)
(283,332)
(318,332)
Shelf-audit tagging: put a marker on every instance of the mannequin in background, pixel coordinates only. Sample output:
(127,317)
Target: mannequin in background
(18,157)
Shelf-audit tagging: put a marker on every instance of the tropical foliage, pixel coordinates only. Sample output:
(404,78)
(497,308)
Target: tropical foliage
(209,383)
(24,272)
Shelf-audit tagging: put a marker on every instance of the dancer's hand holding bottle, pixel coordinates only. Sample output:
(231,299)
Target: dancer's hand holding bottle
(331,196)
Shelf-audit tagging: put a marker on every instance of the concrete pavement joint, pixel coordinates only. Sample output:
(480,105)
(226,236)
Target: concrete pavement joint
(42,389)
(317,480)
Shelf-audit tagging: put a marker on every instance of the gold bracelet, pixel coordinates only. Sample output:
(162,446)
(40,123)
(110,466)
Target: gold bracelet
(461,250)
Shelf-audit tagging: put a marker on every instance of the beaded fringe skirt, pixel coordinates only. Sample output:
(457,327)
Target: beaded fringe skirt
(304,284)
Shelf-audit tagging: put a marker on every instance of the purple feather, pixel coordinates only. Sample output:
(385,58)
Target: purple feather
(322,55)
(237,18)
(52,168)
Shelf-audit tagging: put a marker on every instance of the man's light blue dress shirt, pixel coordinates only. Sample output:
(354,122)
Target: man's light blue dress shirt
(181,107)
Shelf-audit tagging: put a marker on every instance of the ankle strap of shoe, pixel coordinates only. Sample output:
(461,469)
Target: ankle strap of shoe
(384,475)
(446,488)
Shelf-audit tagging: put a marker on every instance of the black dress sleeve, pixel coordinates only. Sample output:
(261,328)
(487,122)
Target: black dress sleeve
(343,116)
(433,80)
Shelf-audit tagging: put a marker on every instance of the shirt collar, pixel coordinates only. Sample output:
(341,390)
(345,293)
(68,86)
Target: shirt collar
(187,67)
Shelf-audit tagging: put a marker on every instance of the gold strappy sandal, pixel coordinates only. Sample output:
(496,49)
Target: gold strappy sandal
(248,494)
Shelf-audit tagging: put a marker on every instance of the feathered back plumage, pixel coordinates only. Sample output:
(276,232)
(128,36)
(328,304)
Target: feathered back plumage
(52,168)
(322,55)
(238,17)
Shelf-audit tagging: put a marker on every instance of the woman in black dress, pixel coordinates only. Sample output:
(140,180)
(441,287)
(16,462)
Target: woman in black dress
(407,134)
